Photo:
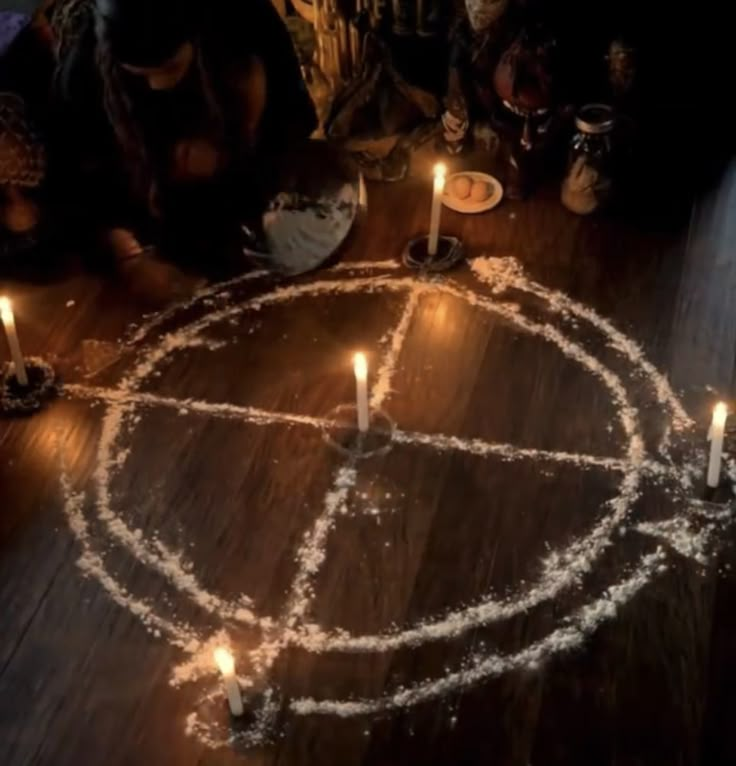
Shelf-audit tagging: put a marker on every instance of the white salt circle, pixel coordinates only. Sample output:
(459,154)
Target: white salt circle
(562,570)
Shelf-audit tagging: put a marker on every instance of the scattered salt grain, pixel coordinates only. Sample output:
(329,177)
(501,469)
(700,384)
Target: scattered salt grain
(561,569)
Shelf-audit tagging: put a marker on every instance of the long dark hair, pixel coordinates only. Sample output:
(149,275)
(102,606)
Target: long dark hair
(119,109)
(121,113)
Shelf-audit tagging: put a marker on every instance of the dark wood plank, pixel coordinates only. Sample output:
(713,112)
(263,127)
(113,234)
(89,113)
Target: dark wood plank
(429,532)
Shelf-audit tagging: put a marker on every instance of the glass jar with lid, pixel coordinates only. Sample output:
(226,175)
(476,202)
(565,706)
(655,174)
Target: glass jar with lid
(588,181)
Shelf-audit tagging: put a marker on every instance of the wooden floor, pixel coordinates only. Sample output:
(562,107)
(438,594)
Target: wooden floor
(426,532)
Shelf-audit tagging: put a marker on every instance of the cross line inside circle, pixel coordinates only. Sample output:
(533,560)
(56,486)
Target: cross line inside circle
(293,627)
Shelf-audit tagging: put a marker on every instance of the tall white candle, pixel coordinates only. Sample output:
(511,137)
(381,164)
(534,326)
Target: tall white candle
(226,663)
(6,313)
(440,173)
(360,364)
(717,430)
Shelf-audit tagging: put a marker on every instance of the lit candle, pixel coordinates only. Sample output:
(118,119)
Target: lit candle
(440,171)
(226,663)
(6,312)
(360,364)
(717,429)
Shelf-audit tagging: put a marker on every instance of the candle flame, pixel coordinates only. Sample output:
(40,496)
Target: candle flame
(224,661)
(440,170)
(6,310)
(720,413)
(360,364)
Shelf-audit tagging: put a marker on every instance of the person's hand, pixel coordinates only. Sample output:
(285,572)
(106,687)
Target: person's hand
(155,282)
(20,216)
(195,160)
(152,281)
(124,244)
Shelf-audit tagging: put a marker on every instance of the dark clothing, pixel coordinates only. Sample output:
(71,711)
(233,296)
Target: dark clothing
(210,104)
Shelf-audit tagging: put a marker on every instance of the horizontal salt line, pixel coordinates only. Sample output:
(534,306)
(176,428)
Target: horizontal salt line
(510,452)
(507,451)
(435,441)
(247,414)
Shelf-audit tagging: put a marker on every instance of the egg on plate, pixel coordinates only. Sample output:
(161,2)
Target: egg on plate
(480,191)
(461,187)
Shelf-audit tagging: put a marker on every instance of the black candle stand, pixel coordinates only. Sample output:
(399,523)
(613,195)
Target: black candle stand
(450,251)
(18,400)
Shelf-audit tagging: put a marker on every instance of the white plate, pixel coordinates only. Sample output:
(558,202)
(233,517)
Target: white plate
(303,232)
(467,206)
(307,222)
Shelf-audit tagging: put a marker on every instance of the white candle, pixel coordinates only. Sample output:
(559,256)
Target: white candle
(717,429)
(440,172)
(226,663)
(360,364)
(6,312)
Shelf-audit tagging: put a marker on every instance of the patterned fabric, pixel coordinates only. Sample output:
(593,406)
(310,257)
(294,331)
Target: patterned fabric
(22,154)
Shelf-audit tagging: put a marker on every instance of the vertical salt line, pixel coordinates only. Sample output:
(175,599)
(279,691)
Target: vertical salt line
(382,386)
(309,558)
(311,554)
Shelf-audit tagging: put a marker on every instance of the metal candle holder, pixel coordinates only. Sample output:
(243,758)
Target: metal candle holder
(43,386)
(450,251)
